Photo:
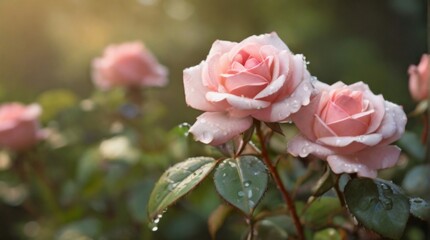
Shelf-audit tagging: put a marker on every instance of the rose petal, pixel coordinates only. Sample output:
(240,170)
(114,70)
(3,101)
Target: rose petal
(348,127)
(240,103)
(333,113)
(301,146)
(351,103)
(281,110)
(244,83)
(195,91)
(221,46)
(271,89)
(216,128)
(394,123)
(303,120)
(321,129)
(259,41)
(369,140)
(366,162)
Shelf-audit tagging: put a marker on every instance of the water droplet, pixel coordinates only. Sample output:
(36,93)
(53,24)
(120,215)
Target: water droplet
(256,173)
(224,174)
(160,215)
(251,203)
(249,193)
(247,183)
(240,194)
(206,137)
(157,220)
(154,229)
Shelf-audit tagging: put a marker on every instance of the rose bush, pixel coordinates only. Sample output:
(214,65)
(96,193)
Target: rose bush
(257,78)
(419,77)
(350,127)
(128,65)
(19,127)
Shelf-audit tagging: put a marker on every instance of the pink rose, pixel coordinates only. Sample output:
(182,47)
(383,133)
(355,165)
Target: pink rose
(257,78)
(19,127)
(129,65)
(419,77)
(350,127)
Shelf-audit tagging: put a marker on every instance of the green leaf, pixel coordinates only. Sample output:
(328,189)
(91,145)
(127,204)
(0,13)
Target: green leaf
(420,208)
(325,183)
(242,182)
(177,181)
(275,127)
(379,205)
(275,227)
(321,211)
(217,218)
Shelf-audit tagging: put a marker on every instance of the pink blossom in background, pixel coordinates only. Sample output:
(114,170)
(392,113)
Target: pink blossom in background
(257,78)
(128,65)
(19,126)
(350,127)
(419,77)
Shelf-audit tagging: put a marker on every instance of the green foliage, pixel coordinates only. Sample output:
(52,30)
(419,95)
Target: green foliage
(55,101)
(378,205)
(242,182)
(177,181)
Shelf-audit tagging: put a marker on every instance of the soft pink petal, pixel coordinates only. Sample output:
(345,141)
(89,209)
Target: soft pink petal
(216,128)
(281,110)
(272,89)
(195,91)
(351,103)
(211,71)
(267,39)
(334,113)
(240,103)
(301,146)
(244,80)
(304,118)
(369,140)
(348,127)
(365,163)
(220,46)
(321,129)
(393,125)
(262,69)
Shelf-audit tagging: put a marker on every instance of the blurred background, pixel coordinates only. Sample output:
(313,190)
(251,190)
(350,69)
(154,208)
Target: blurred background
(46,49)
(49,44)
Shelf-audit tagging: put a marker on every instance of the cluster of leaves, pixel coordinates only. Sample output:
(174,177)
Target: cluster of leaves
(329,206)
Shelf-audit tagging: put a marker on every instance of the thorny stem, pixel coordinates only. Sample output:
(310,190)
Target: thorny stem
(251,229)
(279,184)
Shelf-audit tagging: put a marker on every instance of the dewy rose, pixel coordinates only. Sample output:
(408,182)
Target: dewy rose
(419,78)
(350,127)
(19,127)
(257,78)
(128,65)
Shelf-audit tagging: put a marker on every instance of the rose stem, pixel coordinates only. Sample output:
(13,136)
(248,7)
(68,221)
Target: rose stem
(251,229)
(278,181)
